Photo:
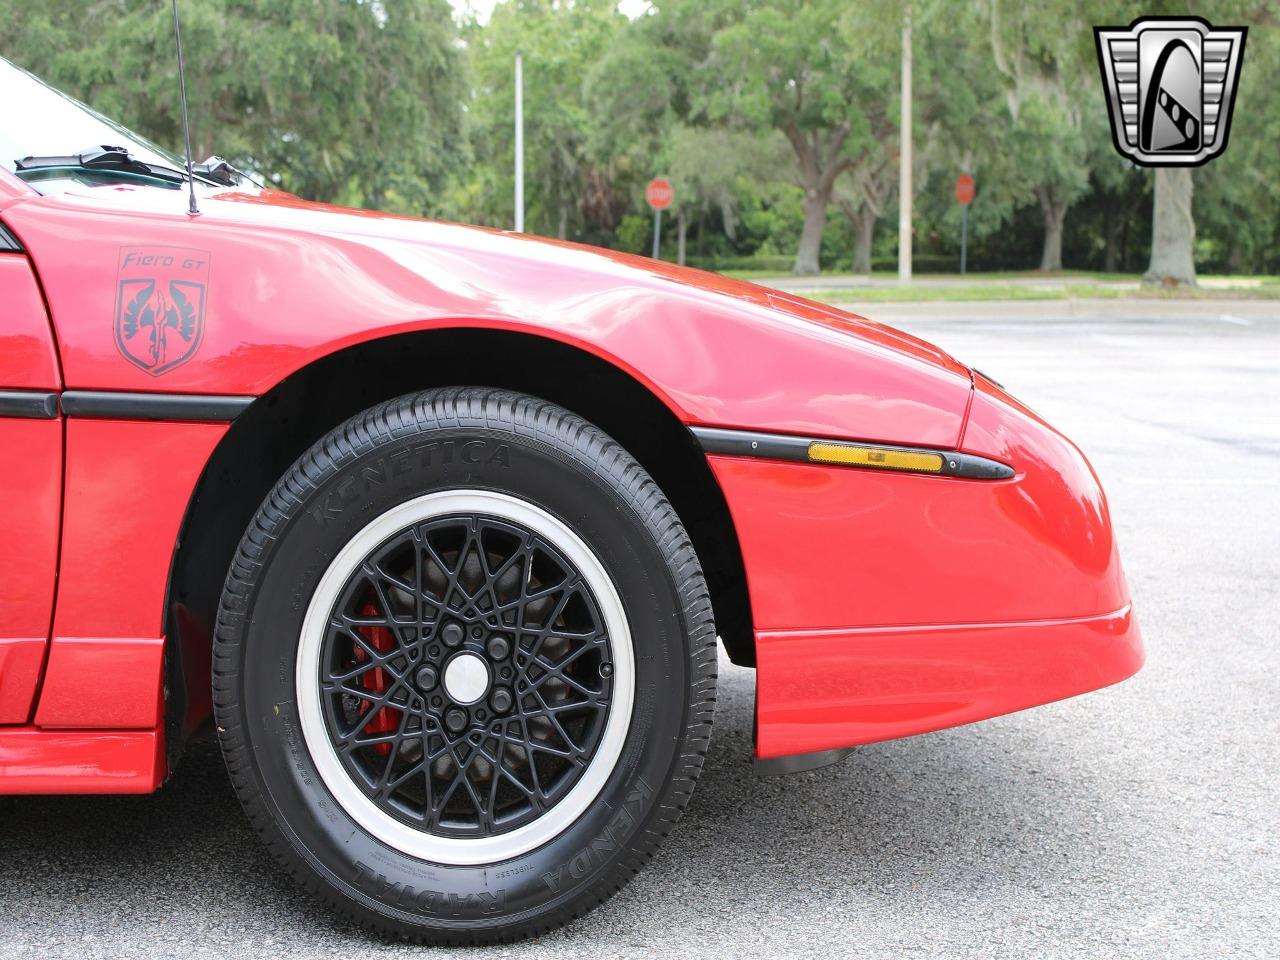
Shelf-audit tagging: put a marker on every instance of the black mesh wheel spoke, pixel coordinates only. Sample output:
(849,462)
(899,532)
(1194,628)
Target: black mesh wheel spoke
(488,589)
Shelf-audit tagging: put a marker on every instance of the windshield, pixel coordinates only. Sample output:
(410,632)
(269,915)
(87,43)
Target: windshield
(39,121)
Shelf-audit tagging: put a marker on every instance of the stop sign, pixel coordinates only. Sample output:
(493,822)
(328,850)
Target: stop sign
(964,188)
(659,193)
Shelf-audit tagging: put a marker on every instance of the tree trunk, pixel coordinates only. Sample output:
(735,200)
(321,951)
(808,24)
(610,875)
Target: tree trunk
(1111,225)
(820,165)
(1235,259)
(1055,215)
(562,230)
(1173,229)
(864,228)
(682,229)
(815,219)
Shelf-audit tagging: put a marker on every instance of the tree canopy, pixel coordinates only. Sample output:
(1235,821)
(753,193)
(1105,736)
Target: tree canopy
(776,120)
(336,100)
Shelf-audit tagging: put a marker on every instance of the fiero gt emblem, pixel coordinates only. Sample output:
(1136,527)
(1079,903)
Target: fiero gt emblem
(1170,85)
(160,300)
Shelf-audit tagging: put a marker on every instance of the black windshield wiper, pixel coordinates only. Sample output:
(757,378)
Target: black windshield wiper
(108,158)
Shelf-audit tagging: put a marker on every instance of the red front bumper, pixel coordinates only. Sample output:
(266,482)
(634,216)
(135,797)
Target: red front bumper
(821,690)
(889,604)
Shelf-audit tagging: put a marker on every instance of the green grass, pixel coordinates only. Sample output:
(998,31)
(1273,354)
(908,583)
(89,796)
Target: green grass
(750,274)
(969,277)
(1025,285)
(1070,291)
(966,292)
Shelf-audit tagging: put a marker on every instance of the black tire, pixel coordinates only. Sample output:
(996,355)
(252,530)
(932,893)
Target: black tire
(488,440)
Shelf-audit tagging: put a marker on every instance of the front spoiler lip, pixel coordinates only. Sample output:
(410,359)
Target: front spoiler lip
(823,691)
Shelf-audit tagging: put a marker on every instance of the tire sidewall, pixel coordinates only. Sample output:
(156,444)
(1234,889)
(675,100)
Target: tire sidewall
(315,525)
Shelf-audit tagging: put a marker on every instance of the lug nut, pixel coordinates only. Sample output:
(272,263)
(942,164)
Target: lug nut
(456,720)
(452,634)
(426,678)
(500,700)
(499,648)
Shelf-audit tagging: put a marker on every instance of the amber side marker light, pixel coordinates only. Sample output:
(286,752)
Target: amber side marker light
(847,453)
(855,456)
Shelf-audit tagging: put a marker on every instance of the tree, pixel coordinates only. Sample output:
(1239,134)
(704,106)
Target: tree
(710,167)
(1110,220)
(293,90)
(1237,195)
(1173,225)
(1173,229)
(560,42)
(639,94)
(1038,52)
(861,197)
(634,92)
(792,72)
(961,127)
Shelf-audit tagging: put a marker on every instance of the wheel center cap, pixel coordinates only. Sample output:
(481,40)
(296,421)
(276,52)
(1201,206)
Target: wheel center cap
(466,678)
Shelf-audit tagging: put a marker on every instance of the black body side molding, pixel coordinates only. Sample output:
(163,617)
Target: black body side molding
(28,404)
(115,405)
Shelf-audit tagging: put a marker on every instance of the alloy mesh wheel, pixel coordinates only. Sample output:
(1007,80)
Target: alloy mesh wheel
(465,670)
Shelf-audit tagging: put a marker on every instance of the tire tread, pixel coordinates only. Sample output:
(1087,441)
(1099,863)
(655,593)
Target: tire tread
(536,420)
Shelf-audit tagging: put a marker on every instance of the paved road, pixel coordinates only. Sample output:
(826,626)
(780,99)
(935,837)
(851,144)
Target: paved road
(845,281)
(1141,821)
(1030,279)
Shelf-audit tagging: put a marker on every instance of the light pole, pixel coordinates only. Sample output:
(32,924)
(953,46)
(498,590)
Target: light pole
(519,142)
(904,170)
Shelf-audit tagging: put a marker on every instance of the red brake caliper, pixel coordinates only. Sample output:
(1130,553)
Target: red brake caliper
(375,680)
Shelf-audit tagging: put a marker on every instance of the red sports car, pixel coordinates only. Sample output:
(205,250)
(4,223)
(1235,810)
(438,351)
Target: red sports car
(437,527)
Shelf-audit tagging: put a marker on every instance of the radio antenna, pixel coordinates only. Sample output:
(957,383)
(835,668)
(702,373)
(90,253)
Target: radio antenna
(193,210)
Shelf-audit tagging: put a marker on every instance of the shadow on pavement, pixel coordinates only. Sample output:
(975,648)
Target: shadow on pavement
(968,810)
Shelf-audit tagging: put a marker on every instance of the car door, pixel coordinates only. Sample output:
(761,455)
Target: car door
(30,479)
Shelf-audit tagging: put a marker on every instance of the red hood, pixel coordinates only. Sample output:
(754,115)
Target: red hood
(284,210)
(344,220)
(293,281)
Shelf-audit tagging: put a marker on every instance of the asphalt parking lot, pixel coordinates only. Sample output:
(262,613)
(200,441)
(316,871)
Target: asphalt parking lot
(1140,821)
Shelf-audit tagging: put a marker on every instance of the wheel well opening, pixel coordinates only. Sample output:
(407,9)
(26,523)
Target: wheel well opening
(268,437)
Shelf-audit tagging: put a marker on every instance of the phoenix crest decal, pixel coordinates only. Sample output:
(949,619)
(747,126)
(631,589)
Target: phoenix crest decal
(160,301)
